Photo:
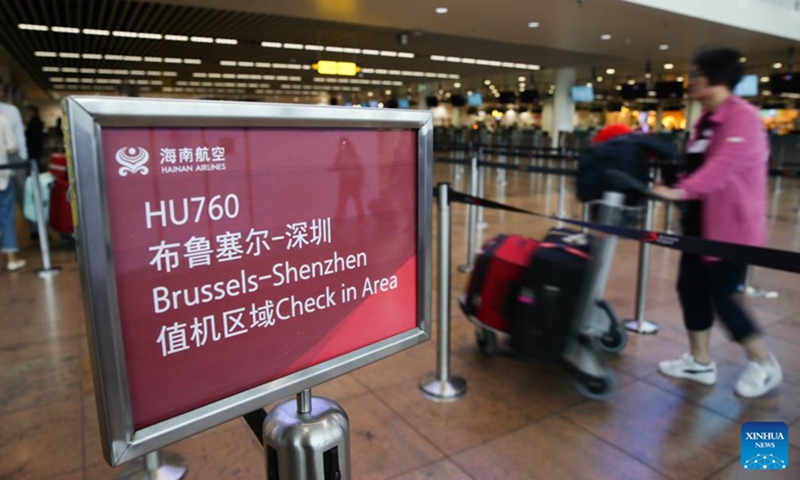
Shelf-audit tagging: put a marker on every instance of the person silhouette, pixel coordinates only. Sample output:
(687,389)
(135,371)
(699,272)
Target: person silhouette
(351,178)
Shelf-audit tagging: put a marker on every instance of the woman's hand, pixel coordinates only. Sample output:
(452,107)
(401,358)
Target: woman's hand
(672,194)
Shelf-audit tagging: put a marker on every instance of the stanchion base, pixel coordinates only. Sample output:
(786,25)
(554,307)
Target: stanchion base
(433,389)
(465,268)
(757,292)
(648,327)
(482,225)
(48,273)
(171,467)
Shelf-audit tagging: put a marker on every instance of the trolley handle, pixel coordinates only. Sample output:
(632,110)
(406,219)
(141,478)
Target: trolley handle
(622,179)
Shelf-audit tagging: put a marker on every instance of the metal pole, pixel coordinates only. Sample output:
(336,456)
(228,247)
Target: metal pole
(304,401)
(562,190)
(481,191)
(155,465)
(472,219)
(440,386)
(639,324)
(44,239)
(748,289)
(585,217)
(668,217)
(781,157)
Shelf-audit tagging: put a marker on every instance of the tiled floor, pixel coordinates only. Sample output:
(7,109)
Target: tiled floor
(518,420)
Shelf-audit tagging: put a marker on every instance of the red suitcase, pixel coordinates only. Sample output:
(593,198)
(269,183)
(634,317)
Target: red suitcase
(60,208)
(497,274)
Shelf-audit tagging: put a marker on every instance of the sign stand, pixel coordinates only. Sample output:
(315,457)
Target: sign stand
(440,386)
(308,439)
(156,465)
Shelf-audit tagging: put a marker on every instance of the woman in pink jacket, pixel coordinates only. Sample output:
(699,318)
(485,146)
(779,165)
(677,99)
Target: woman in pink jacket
(726,200)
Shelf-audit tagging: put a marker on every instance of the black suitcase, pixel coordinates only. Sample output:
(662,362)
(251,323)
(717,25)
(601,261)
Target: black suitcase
(543,311)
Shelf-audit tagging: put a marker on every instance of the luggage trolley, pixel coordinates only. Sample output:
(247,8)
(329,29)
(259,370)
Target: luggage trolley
(595,327)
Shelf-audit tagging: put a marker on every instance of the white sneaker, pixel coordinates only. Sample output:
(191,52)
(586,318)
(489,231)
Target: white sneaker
(15,265)
(759,378)
(689,368)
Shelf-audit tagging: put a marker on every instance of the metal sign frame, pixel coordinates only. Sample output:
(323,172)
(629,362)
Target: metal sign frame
(86,118)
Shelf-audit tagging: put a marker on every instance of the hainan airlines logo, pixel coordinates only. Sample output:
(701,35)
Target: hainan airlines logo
(133,160)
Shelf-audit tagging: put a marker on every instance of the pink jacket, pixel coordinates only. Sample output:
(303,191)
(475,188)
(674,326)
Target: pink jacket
(732,182)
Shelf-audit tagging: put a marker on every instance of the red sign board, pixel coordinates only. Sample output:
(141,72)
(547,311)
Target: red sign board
(245,255)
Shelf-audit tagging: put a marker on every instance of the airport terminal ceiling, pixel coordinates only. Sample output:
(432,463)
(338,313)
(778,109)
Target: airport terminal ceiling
(196,44)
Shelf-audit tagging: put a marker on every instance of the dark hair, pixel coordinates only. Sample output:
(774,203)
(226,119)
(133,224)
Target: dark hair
(721,66)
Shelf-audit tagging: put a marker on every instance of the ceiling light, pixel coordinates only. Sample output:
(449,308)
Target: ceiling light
(405,54)
(69,55)
(610,71)
(369,94)
(599,79)
(172,60)
(92,56)
(369,51)
(272,44)
(45,54)
(65,29)
(388,92)
(619,87)
(227,63)
(93,31)
(663,46)
(441,10)
(487,82)
(668,66)
(521,79)
(118,33)
(388,53)
(680,79)
(457,85)
(226,41)
(589,84)
(777,65)
(605,36)
(201,39)
(51,69)
(742,59)
(29,26)
(176,38)
(533,24)
(764,79)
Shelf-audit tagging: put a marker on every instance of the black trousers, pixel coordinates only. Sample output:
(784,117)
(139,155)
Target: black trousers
(705,287)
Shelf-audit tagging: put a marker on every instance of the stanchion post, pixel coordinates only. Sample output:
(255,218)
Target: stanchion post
(481,190)
(585,216)
(562,191)
(440,386)
(748,289)
(639,324)
(668,217)
(472,219)
(47,269)
(156,465)
(307,439)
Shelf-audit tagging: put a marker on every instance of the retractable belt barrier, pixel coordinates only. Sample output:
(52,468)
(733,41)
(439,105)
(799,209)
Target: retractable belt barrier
(773,172)
(760,256)
(15,165)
